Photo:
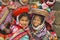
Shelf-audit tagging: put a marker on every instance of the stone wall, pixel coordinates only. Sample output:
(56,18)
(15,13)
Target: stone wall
(57,23)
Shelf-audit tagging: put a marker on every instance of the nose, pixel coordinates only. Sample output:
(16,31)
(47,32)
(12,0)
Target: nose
(24,23)
(35,21)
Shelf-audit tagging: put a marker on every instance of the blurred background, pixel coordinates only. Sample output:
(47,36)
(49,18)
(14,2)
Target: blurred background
(57,20)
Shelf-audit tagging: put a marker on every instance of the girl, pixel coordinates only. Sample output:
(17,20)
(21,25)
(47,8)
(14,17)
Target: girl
(21,31)
(38,28)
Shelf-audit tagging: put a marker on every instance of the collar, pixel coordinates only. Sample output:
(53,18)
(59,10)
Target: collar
(38,27)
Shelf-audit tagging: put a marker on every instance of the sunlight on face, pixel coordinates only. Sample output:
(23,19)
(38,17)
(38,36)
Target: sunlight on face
(36,21)
(24,21)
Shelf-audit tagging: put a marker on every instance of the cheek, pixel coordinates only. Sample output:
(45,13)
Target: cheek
(21,22)
(27,23)
(36,22)
(24,22)
(39,22)
(33,21)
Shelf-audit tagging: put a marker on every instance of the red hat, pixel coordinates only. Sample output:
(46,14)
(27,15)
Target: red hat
(20,10)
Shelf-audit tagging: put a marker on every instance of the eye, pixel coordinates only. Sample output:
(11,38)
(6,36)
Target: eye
(22,20)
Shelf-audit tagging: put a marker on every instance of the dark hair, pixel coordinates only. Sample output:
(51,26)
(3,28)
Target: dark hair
(13,0)
(24,14)
(8,25)
(42,17)
(49,0)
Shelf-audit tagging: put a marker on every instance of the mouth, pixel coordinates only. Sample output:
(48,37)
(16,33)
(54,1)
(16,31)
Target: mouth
(24,25)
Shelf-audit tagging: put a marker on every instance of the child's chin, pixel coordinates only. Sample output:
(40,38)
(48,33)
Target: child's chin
(35,25)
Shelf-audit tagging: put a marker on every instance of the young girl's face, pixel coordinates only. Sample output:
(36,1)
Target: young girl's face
(36,21)
(24,21)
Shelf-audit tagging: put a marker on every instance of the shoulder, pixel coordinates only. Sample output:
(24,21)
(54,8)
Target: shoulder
(15,26)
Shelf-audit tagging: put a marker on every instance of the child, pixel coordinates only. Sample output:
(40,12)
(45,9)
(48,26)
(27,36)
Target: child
(38,28)
(23,7)
(21,31)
